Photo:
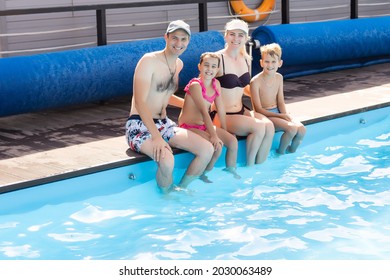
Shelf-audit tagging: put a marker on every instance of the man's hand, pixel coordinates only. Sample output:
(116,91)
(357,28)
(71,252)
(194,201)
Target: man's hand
(160,147)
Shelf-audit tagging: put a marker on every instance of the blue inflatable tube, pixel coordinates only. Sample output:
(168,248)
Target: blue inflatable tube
(310,48)
(52,80)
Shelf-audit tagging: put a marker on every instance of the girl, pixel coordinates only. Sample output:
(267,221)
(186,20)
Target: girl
(195,115)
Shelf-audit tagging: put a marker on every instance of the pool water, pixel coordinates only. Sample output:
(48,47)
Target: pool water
(329,200)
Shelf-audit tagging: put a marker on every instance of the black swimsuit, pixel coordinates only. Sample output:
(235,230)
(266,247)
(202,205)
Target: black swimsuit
(241,112)
(232,81)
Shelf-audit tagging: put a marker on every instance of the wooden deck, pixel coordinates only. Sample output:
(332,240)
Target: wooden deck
(56,144)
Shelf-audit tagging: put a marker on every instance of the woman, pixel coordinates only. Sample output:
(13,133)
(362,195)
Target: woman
(234,77)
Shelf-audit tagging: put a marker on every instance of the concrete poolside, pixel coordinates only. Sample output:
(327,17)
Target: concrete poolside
(56,144)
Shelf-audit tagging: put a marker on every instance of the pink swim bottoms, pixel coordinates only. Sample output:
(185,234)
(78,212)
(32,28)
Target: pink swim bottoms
(196,126)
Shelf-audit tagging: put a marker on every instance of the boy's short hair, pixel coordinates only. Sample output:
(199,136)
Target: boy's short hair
(273,50)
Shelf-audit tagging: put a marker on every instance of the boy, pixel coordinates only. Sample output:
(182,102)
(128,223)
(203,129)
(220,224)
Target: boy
(268,99)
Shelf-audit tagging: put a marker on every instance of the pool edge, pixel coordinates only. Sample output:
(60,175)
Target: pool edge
(142,158)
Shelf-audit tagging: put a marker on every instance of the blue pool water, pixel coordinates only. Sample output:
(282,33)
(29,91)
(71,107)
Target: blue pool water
(330,200)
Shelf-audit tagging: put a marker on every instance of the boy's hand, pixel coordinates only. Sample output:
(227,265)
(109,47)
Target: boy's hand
(286,117)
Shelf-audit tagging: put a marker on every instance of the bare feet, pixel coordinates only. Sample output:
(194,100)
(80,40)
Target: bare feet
(204,178)
(232,170)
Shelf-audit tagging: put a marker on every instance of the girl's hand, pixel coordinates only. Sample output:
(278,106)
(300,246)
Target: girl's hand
(216,142)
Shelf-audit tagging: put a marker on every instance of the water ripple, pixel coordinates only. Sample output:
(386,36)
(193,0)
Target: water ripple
(92,214)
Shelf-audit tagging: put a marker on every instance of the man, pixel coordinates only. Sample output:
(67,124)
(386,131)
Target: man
(148,129)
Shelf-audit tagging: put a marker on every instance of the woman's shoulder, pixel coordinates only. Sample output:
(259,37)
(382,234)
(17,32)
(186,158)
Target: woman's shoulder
(220,52)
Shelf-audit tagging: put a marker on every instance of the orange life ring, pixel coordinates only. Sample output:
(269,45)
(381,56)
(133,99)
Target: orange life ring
(250,15)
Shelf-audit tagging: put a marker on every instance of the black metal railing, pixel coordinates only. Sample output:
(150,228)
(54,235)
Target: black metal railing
(101,25)
(202,9)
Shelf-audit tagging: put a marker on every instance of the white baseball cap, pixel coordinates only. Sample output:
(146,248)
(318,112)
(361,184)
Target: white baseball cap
(237,24)
(178,24)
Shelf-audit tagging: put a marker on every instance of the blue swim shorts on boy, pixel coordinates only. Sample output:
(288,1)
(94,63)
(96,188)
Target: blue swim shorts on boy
(274,110)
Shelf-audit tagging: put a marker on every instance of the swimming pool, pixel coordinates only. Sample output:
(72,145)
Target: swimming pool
(330,200)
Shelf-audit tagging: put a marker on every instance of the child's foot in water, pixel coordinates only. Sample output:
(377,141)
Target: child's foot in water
(205,179)
(172,188)
(233,171)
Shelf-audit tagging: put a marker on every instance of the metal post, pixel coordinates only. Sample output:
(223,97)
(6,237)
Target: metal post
(354,9)
(101,27)
(285,11)
(202,8)
(3,30)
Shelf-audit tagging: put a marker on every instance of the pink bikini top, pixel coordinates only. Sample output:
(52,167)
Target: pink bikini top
(204,93)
